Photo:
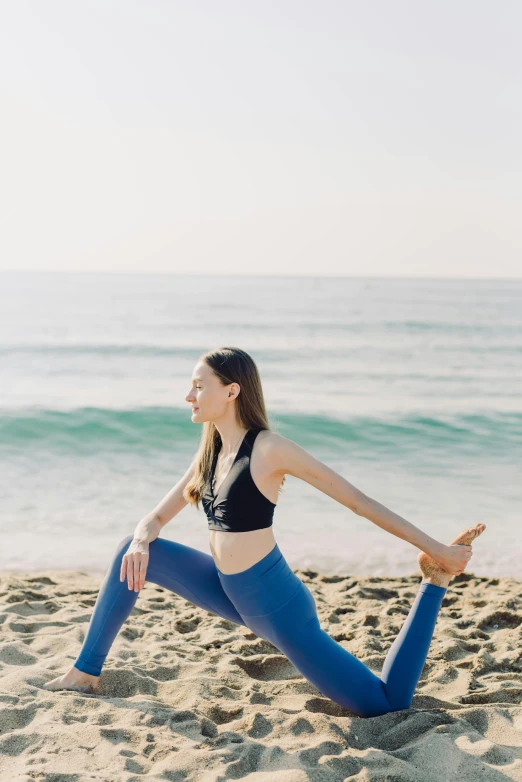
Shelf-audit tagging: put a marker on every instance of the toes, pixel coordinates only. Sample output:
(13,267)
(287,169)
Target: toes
(477,530)
(467,536)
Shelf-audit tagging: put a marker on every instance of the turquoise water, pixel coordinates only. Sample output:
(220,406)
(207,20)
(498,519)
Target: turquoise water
(410,389)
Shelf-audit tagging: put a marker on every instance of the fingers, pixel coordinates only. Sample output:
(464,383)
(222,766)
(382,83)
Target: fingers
(135,565)
(130,571)
(135,572)
(143,570)
(468,556)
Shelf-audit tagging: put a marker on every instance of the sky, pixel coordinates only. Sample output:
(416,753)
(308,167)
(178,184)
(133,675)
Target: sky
(297,137)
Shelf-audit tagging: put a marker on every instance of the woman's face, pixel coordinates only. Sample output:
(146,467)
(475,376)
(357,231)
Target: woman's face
(208,397)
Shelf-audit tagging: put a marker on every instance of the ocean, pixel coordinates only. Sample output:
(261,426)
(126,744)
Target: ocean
(411,389)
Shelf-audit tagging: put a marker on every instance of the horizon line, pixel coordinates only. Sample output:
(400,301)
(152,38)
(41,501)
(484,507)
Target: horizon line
(237,274)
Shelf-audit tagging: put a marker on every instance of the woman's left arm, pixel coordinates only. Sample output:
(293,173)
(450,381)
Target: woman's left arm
(287,456)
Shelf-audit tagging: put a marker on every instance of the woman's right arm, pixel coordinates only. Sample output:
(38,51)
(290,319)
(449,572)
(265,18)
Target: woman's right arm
(151,525)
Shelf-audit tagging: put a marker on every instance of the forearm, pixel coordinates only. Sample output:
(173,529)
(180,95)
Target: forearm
(148,529)
(391,522)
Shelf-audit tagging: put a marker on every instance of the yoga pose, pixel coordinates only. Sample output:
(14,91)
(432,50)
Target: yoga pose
(237,473)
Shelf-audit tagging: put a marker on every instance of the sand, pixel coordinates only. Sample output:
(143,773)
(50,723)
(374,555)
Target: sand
(186,695)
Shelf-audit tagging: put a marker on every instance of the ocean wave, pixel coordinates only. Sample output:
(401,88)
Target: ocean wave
(153,427)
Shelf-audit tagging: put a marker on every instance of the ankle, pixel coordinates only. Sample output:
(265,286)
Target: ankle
(438,581)
(81,674)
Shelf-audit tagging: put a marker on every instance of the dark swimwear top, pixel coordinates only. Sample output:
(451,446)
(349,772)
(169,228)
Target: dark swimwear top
(239,505)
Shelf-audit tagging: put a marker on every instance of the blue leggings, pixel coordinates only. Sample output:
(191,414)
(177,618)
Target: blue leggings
(276,605)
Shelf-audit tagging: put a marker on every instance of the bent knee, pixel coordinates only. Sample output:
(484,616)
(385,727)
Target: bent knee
(124,544)
(398,705)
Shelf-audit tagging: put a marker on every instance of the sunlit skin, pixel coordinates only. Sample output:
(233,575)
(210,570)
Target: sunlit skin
(218,402)
(432,572)
(277,456)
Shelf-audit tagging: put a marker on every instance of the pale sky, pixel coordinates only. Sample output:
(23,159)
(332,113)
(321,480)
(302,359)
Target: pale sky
(271,137)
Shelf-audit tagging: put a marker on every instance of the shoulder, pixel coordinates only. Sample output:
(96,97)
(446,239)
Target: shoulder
(269,440)
(269,444)
(284,456)
(277,451)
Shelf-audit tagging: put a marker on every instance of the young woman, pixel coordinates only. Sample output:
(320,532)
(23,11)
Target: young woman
(236,474)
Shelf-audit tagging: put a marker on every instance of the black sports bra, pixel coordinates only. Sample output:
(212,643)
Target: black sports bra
(239,505)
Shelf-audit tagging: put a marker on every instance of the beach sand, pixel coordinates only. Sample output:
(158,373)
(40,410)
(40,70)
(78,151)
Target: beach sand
(186,695)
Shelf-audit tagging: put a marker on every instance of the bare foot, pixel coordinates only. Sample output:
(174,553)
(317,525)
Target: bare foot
(75,680)
(432,572)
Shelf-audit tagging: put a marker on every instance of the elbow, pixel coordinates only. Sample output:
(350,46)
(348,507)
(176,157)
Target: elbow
(362,503)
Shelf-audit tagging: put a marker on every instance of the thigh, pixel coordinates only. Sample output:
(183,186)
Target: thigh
(192,574)
(295,630)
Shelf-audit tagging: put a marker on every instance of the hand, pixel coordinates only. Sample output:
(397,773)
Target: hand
(134,563)
(454,558)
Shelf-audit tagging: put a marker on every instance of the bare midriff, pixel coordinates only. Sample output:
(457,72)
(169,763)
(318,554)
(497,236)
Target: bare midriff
(237,551)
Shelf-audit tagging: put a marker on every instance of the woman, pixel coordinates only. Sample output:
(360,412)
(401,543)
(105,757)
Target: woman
(237,473)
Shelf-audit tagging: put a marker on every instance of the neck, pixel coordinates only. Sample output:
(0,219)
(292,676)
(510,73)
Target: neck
(231,438)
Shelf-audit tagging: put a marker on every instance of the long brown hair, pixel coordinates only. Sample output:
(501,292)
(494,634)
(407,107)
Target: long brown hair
(231,365)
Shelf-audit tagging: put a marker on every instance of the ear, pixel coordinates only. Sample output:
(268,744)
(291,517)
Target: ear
(236,385)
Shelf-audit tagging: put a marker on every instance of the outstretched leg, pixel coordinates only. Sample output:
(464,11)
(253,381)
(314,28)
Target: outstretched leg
(338,674)
(406,657)
(181,569)
(293,627)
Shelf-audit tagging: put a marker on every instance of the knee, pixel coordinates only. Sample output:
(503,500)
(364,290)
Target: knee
(123,545)
(398,704)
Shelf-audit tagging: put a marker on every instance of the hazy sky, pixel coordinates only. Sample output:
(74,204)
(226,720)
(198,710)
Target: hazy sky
(288,137)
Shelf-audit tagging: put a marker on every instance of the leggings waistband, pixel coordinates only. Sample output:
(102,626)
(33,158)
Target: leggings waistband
(262,588)
(255,570)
